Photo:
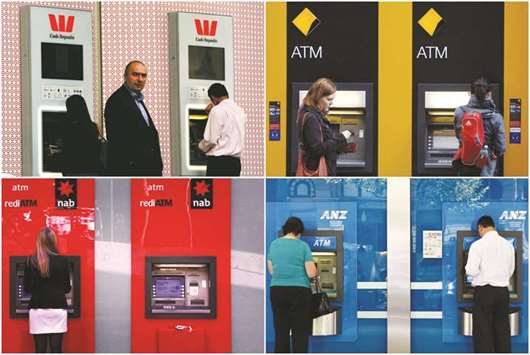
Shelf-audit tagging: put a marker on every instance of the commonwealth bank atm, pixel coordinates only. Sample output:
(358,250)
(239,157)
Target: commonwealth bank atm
(56,62)
(200,53)
(435,138)
(465,290)
(180,287)
(327,249)
(19,298)
(352,109)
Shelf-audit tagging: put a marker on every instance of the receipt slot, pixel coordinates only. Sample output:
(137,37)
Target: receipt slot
(200,54)
(19,299)
(465,290)
(352,109)
(56,62)
(435,138)
(180,287)
(327,250)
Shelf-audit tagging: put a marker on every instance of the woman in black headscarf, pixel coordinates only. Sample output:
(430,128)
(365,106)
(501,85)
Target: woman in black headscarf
(81,143)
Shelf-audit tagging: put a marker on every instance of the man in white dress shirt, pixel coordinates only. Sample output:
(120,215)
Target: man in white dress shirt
(224,134)
(491,263)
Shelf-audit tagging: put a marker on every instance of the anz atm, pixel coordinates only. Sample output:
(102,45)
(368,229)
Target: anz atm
(19,298)
(200,53)
(435,138)
(352,109)
(327,250)
(56,62)
(180,287)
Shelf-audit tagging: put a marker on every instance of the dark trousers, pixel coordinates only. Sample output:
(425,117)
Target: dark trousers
(491,324)
(223,165)
(53,340)
(291,309)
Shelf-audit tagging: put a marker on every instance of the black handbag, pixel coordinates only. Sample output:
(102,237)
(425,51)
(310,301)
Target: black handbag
(319,302)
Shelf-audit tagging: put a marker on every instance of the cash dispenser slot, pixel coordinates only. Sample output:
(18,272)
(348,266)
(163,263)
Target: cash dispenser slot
(197,124)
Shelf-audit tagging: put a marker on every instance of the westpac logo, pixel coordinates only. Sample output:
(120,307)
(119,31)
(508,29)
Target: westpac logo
(60,23)
(206,27)
(334,215)
(513,215)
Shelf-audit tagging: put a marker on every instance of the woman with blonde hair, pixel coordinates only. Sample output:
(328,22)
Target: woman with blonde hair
(47,278)
(319,144)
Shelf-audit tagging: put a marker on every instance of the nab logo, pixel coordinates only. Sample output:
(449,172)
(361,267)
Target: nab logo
(513,215)
(332,215)
(63,25)
(201,193)
(206,27)
(66,193)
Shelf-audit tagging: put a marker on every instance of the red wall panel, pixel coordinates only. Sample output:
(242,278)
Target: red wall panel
(75,232)
(176,229)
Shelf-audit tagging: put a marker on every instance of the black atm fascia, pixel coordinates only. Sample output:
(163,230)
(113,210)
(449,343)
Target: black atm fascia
(338,234)
(421,129)
(461,288)
(210,261)
(74,261)
(370,134)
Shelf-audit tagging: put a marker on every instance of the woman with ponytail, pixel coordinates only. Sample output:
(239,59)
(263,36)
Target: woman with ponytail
(47,278)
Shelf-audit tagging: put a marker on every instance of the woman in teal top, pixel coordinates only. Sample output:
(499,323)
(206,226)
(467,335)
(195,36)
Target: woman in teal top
(291,265)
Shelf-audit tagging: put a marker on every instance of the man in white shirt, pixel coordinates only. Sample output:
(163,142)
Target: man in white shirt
(224,134)
(491,263)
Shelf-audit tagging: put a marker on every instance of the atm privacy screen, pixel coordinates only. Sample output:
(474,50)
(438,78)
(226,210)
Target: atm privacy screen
(206,63)
(62,61)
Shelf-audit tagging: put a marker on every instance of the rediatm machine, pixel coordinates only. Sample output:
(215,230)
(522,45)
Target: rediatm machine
(435,139)
(465,290)
(56,62)
(352,109)
(200,54)
(19,299)
(327,249)
(180,287)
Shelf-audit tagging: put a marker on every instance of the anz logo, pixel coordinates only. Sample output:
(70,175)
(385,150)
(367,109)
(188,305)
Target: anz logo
(334,215)
(511,215)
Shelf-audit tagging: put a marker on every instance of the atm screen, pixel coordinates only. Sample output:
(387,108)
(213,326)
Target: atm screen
(62,61)
(206,63)
(170,287)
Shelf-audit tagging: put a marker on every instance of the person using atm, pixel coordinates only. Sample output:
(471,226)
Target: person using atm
(224,134)
(291,266)
(490,264)
(493,126)
(47,278)
(318,141)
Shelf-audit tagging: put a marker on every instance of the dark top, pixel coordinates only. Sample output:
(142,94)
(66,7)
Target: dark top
(315,145)
(134,147)
(48,292)
(82,150)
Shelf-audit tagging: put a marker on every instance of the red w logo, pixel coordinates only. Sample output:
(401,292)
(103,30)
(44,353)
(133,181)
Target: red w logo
(206,28)
(62,26)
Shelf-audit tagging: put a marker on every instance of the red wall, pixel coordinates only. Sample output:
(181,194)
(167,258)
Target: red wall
(75,232)
(179,230)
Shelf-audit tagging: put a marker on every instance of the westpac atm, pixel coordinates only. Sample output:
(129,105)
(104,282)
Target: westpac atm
(465,290)
(435,138)
(56,62)
(19,299)
(327,249)
(180,287)
(352,109)
(200,53)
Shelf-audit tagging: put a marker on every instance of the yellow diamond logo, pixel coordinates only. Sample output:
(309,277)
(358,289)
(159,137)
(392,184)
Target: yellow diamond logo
(306,22)
(430,21)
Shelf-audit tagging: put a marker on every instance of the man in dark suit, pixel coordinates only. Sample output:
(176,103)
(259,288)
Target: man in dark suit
(134,147)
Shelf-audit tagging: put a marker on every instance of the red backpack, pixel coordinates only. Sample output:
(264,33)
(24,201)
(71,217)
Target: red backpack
(471,140)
